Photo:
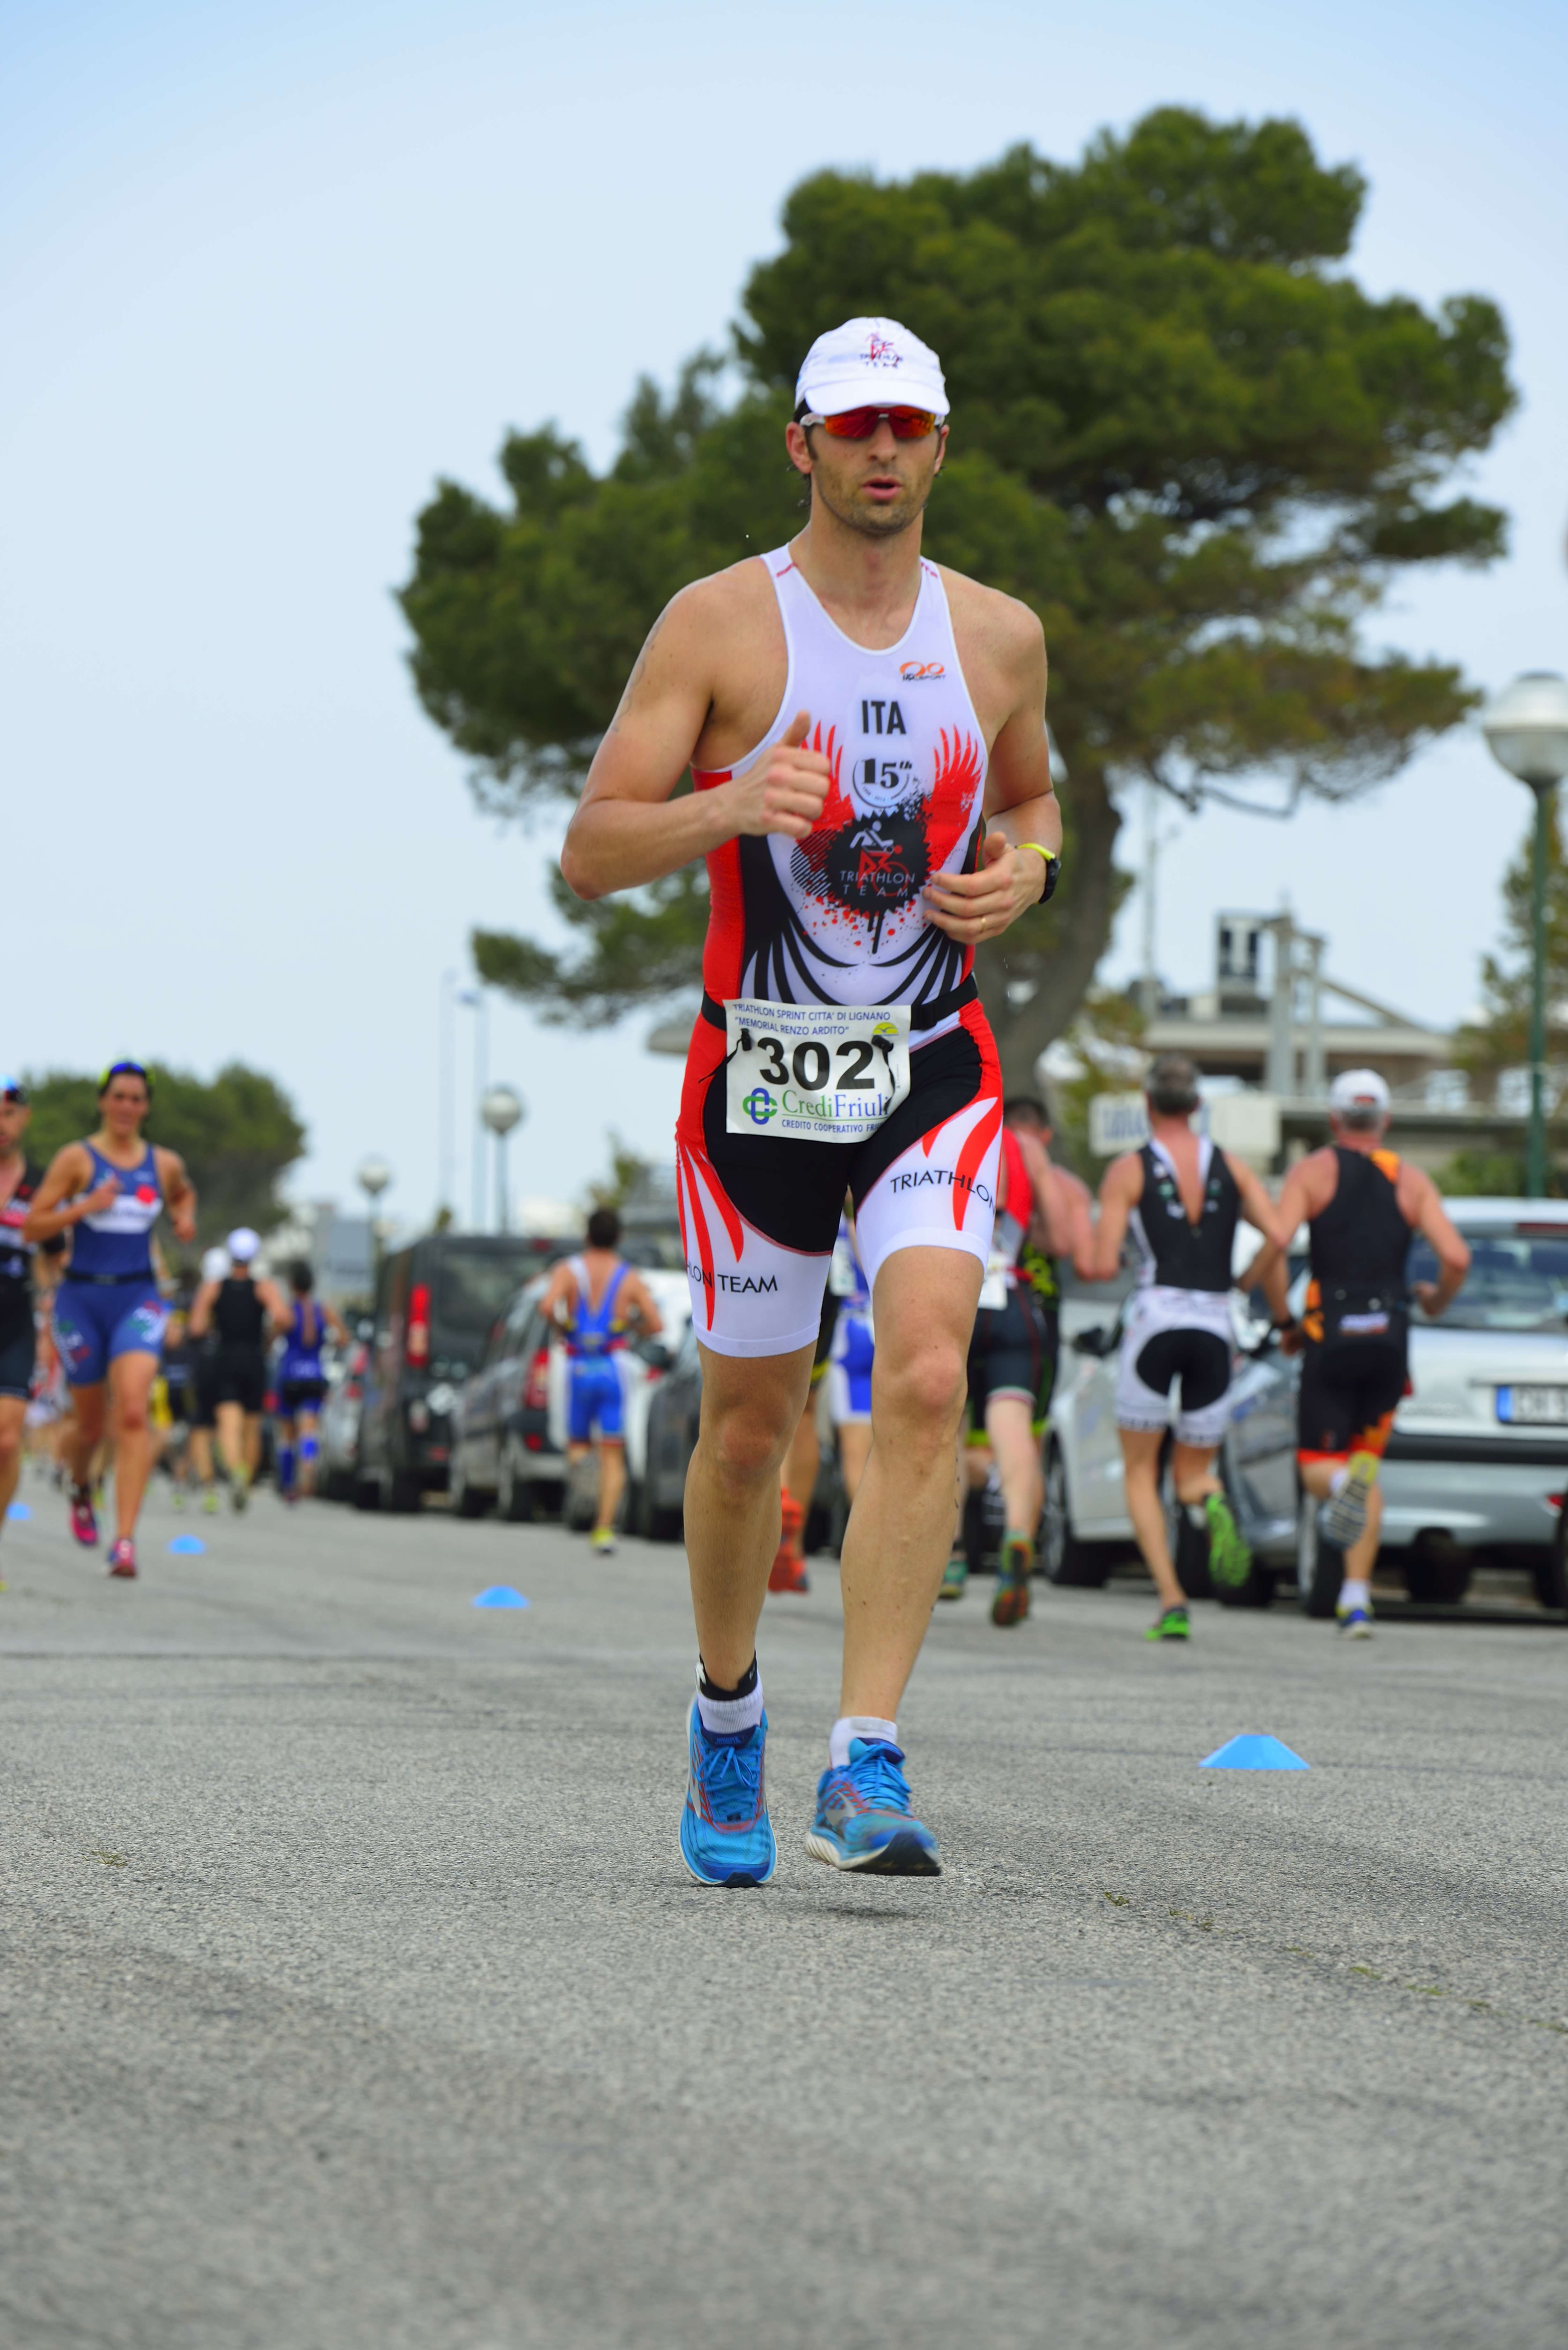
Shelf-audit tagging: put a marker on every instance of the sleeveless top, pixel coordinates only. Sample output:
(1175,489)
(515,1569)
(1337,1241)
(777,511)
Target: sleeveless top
(118,1244)
(302,1354)
(239,1317)
(1173,1253)
(837,917)
(594,1329)
(1361,1239)
(15,1254)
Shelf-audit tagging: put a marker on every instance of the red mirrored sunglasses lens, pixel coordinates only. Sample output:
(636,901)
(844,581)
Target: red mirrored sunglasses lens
(859,424)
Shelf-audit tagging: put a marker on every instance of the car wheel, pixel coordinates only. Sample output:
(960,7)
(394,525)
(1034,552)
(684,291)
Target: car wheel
(467,1502)
(1435,1574)
(514,1495)
(656,1524)
(1063,1557)
(405,1492)
(1319,1565)
(1552,1572)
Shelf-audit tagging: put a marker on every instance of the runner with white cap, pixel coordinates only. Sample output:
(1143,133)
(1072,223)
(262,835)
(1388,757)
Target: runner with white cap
(855,717)
(1360,1204)
(107,1192)
(238,1310)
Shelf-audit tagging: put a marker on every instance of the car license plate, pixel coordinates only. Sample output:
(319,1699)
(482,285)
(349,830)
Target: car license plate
(1535,1407)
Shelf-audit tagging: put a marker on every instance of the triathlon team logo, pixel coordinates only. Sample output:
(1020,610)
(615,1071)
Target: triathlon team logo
(760,1105)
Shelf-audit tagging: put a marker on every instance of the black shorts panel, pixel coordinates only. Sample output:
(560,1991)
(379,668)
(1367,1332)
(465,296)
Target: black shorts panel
(1347,1405)
(794,1191)
(1013,1352)
(300,1395)
(1198,1358)
(18,1351)
(239,1376)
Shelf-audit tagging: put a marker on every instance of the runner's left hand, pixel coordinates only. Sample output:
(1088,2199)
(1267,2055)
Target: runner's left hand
(973,906)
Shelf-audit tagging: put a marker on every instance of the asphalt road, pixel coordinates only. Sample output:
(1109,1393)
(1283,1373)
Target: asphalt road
(353,1991)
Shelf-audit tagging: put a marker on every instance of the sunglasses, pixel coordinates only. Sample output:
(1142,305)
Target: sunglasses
(859,424)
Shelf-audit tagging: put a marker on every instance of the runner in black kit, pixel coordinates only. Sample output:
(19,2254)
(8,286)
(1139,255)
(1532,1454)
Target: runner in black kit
(237,1311)
(1180,1200)
(19,1180)
(1360,1204)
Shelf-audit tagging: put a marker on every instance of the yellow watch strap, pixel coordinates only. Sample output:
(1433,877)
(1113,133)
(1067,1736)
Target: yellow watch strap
(1048,854)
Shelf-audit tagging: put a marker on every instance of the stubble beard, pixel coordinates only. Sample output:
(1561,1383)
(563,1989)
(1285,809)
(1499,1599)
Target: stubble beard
(873,522)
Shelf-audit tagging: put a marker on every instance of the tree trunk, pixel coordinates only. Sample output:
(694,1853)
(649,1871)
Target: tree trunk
(1075,928)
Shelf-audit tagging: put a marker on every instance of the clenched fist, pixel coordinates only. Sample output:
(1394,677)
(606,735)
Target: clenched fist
(786,791)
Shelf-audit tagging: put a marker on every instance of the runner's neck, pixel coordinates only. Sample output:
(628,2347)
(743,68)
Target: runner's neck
(867,587)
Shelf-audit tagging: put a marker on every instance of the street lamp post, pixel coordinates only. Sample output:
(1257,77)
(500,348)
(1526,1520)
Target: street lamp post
(373,1174)
(500,1109)
(1526,728)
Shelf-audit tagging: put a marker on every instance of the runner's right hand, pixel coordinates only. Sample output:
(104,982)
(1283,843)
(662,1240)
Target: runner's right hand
(786,791)
(102,1196)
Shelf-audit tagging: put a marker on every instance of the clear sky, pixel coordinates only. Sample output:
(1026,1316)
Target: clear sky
(267,270)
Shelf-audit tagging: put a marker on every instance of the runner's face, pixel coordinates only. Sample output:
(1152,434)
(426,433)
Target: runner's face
(878,486)
(124,1105)
(14,1116)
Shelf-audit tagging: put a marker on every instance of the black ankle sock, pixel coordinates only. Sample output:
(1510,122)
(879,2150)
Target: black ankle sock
(717,1696)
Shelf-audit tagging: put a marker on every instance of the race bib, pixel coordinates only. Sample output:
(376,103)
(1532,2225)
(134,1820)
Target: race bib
(815,1072)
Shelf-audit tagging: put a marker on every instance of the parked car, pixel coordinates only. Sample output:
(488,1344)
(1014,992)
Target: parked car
(673,1413)
(503,1453)
(436,1303)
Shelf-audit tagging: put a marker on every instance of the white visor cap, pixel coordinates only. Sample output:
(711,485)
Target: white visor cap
(1359,1089)
(243,1244)
(870,363)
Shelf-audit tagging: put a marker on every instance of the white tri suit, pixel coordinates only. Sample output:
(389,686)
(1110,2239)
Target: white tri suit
(842,1042)
(1177,1325)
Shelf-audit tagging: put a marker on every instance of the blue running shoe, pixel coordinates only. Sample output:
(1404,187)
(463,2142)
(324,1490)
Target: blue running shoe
(726,1836)
(864,1820)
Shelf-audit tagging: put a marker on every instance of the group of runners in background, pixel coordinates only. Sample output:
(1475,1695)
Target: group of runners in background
(110,1363)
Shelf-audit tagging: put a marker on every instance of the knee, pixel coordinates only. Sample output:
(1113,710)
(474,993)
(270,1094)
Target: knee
(10,1446)
(927,1389)
(748,1443)
(131,1415)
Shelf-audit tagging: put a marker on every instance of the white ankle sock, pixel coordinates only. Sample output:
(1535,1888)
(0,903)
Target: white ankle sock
(856,1725)
(1353,1593)
(728,1717)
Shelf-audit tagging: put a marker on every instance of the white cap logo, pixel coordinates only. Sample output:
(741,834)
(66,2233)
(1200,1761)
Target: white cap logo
(849,366)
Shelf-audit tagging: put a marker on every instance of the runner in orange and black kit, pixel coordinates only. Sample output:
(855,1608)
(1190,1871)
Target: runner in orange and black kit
(1361,1205)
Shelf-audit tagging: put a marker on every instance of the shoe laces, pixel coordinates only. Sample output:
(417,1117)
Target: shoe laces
(730,1777)
(876,1775)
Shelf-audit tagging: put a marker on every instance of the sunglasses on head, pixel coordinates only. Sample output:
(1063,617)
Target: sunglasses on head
(859,424)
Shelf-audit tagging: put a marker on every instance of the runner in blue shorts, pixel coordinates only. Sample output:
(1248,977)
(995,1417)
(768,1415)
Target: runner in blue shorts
(599,1302)
(107,1192)
(301,1383)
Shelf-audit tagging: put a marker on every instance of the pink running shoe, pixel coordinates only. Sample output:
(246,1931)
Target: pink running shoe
(123,1557)
(84,1521)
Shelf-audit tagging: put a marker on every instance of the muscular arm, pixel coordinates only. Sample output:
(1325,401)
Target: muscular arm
(640,1299)
(70,1170)
(1420,1195)
(201,1309)
(179,1192)
(561,1288)
(1257,1207)
(1100,1255)
(1062,1200)
(1304,1193)
(627,829)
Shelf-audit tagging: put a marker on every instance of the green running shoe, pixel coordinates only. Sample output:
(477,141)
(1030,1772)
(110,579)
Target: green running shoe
(1229,1560)
(955,1577)
(1014,1569)
(1172,1624)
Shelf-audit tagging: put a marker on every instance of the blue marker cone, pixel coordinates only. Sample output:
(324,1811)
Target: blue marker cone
(20,1510)
(188,1546)
(500,1595)
(1251,1752)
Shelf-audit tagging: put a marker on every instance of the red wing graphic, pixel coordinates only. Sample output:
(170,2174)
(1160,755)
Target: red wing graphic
(955,788)
(838,809)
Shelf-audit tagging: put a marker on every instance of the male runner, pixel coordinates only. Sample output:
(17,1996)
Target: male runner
(1179,1199)
(1360,1204)
(1013,1360)
(846,706)
(19,1180)
(107,1192)
(239,1311)
(203,1402)
(302,1383)
(598,1300)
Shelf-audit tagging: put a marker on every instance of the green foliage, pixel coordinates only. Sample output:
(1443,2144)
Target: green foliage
(1485,1175)
(1194,446)
(237,1135)
(628,1170)
(1106,1037)
(1502,1039)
